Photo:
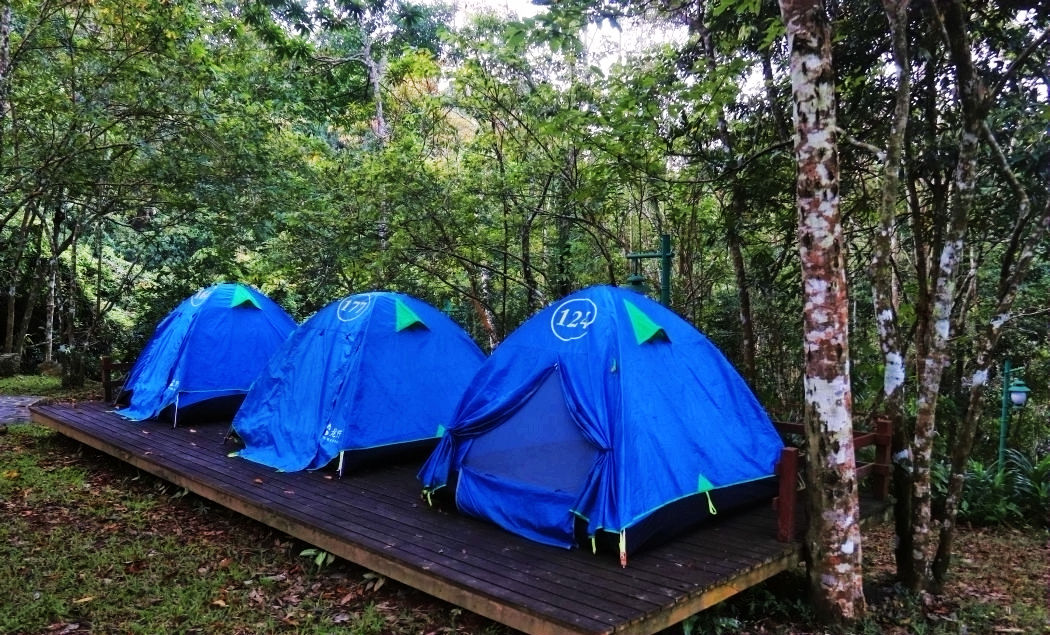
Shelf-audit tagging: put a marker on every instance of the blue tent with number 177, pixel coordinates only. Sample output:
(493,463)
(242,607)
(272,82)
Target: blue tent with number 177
(372,375)
(605,417)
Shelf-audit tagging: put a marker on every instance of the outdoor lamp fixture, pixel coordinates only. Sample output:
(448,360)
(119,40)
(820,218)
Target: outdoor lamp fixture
(1018,393)
(636,283)
(1015,396)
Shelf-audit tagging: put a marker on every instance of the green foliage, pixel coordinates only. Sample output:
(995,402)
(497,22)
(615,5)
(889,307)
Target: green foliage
(40,385)
(159,147)
(319,557)
(1019,493)
(1030,479)
(988,496)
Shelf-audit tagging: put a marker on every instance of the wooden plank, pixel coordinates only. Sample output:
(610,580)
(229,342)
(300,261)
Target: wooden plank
(568,578)
(367,532)
(375,518)
(863,439)
(470,593)
(707,598)
(585,578)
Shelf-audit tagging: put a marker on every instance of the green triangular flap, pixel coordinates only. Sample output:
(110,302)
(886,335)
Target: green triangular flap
(704,485)
(242,296)
(644,327)
(406,317)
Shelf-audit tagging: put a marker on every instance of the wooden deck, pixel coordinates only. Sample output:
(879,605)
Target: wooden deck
(375,518)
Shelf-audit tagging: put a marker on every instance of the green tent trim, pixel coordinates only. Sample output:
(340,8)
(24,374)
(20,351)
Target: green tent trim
(704,486)
(645,329)
(242,296)
(406,317)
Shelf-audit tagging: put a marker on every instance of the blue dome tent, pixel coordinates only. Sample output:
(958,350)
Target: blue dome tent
(204,355)
(606,418)
(370,374)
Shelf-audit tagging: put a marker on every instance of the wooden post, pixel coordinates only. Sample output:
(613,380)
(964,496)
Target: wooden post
(111,384)
(785,502)
(107,379)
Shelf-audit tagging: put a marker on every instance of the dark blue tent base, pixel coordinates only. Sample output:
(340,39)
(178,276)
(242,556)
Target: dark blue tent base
(663,525)
(670,521)
(411,451)
(216,409)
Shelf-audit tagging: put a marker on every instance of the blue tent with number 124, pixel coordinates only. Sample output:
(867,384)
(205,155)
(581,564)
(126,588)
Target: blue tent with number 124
(605,418)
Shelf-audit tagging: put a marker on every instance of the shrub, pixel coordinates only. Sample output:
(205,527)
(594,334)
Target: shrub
(1030,479)
(1017,493)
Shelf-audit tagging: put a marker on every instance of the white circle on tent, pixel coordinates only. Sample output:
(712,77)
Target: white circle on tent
(572,319)
(352,308)
(199,297)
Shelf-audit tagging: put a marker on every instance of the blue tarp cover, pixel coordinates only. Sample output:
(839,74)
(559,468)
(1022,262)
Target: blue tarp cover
(604,406)
(212,345)
(368,371)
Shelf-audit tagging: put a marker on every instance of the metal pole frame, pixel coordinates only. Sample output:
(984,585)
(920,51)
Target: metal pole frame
(665,254)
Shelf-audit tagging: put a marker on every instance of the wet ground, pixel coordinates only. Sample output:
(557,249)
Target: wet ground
(16,409)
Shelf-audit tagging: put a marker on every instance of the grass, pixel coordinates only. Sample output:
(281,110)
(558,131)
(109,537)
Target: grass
(90,545)
(47,386)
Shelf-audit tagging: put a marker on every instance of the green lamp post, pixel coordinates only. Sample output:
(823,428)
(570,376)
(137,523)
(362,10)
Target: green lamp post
(1015,396)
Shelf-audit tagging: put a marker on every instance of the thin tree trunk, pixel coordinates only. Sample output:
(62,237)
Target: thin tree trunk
(1014,270)
(834,533)
(733,214)
(12,284)
(73,358)
(5,61)
(376,69)
(884,287)
(481,308)
(39,270)
(736,254)
(71,294)
(768,81)
(935,363)
(970,94)
(49,309)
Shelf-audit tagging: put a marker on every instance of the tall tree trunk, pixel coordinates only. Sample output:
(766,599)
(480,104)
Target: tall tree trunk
(971,97)
(733,214)
(37,282)
(743,289)
(834,533)
(21,241)
(884,283)
(49,309)
(1015,267)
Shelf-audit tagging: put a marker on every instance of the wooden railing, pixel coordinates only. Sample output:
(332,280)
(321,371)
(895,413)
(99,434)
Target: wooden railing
(877,470)
(113,376)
